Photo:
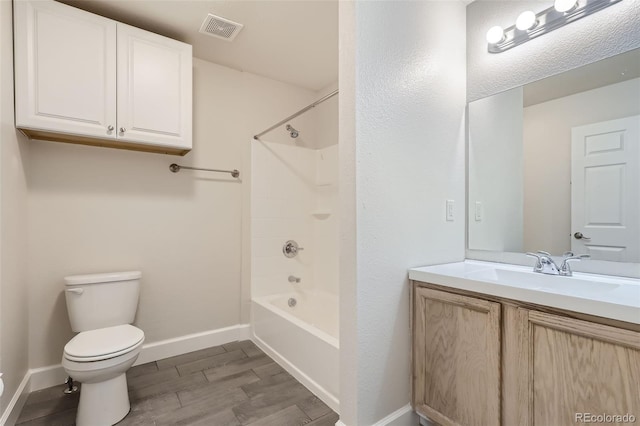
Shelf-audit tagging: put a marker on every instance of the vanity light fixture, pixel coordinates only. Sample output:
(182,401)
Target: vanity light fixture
(495,34)
(564,5)
(526,21)
(530,25)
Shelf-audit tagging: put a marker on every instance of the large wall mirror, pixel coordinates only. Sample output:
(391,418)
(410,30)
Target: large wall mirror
(555,165)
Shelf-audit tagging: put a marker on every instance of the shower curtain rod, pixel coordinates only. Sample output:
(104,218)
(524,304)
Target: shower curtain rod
(302,111)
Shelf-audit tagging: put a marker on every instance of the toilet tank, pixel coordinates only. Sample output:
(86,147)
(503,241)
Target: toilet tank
(102,300)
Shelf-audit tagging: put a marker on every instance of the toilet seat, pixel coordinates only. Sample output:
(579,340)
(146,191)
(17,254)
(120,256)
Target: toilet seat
(103,343)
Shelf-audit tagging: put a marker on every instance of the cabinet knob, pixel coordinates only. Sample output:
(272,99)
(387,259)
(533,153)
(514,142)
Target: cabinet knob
(122,130)
(110,128)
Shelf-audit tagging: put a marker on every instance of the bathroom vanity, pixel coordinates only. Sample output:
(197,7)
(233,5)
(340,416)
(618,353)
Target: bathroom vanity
(496,344)
(551,165)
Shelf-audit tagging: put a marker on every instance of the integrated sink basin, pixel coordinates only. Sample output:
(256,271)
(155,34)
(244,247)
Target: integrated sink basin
(534,281)
(600,295)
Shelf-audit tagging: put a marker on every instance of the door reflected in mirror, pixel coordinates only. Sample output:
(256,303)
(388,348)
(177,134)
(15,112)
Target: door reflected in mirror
(555,165)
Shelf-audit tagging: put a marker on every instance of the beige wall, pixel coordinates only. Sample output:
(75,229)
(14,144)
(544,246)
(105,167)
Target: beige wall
(94,209)
(547,158)
(13,227)
(348,296)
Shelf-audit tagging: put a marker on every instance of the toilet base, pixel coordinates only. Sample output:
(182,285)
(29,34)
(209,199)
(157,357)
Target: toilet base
(103,403)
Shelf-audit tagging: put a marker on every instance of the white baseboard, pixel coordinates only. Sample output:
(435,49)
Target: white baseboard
(12,412)
(192,342)
(314,387)
(403,416)
(45,377)
(425,422)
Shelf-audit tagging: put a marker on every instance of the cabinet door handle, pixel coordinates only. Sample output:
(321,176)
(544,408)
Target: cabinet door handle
(110,128)
(122,130)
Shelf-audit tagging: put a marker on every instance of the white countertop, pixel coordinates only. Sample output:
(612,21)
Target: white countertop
(600,295)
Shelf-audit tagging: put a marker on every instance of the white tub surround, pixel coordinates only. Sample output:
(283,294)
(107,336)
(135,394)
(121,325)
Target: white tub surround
(303,339)
(599,295)
(294,190)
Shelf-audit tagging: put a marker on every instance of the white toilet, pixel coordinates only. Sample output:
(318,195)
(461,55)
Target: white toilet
(101,308)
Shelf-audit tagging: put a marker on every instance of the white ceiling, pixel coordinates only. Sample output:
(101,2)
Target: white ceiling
(291,41)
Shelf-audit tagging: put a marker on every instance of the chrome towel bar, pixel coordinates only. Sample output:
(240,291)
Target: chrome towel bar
(175,168)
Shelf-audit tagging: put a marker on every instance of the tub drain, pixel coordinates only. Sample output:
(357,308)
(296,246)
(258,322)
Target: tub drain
(292,302)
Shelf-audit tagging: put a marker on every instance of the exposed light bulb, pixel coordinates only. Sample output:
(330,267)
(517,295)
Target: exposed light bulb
(564,5)
(526,21)
(495,34)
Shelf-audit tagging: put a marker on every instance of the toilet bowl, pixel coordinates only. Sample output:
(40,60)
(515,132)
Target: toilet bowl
(101,308)
(99,359)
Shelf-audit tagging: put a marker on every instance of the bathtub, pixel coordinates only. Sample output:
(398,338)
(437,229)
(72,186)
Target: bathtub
(303,339)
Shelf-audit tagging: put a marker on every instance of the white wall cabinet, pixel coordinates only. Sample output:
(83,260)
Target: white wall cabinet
(154,88)
(65,70)
(83,78)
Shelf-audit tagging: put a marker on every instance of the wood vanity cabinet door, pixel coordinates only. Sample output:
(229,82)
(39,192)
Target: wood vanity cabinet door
(456,357)
(577,366)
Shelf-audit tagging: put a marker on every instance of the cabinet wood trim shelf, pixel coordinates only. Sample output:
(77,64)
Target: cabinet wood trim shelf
(105,143)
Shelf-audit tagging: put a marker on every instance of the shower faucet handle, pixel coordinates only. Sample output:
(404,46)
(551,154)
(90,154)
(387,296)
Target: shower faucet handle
(291,249)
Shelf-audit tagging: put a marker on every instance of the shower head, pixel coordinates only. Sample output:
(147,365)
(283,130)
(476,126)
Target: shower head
(292,132)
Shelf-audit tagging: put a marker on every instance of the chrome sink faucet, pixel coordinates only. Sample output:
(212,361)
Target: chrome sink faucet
(546,265)
(568,257)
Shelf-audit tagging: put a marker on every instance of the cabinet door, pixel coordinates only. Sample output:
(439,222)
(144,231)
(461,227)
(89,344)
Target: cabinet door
(573,367)
(154,89)
(456,358)
(65,69)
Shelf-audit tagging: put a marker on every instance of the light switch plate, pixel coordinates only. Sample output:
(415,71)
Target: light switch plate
(478,211)
(450,210)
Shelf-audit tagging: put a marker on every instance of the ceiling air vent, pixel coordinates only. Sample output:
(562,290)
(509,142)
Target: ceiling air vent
(219,27)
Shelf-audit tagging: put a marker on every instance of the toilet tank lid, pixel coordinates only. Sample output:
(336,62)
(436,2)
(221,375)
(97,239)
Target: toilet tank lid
(102,278)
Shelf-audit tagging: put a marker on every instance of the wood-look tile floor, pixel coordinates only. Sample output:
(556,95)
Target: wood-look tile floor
(232,384)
